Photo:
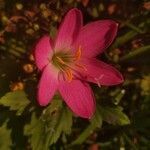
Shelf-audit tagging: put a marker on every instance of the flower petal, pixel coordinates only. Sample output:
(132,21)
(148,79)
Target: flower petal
(79,97)
(69,29)
(43,51)
(48,85)
(95,37)
(101,73)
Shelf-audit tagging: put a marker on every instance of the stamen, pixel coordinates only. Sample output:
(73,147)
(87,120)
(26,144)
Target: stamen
(78,54)
(69,74)
(81,66)
(66,62)
(60,60)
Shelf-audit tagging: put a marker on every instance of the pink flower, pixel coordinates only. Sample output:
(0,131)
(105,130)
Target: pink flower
(69,62)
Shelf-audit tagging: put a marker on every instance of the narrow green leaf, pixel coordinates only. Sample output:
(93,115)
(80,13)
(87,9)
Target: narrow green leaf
(17,101)
(129,35)
(130,142)
(5,138)
(135,53)
(97,118)
(96,122)
(84,135)
(114,115)
(123,39)
(133,27)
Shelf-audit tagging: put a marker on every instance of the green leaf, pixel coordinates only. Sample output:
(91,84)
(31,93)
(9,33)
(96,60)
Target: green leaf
(84,135)
(135,53)
(123,39)
(64,124)
(46,129)
(36,130)
(5,138)
(97,118)
(96,122)
(133,27)
(17,101)
(114,115)
(129,35)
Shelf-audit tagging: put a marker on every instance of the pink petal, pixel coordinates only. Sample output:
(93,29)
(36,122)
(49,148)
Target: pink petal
(69,29)
(43,52)
(101,73)
(95,37)
(48,85)
(79,97)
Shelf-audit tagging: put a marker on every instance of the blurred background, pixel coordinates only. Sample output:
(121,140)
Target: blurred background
(122,118)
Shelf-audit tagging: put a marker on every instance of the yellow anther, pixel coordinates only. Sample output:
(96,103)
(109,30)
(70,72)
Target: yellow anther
(78,54)
(69,74)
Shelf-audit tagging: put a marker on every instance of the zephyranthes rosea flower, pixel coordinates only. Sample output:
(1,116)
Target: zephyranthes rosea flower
(69,62)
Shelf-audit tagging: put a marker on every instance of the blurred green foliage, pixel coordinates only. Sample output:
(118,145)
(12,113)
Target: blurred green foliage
(122,117)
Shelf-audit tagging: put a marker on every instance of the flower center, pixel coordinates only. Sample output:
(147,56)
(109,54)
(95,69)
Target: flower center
(66,62)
